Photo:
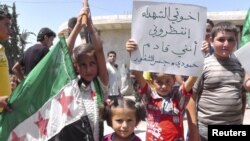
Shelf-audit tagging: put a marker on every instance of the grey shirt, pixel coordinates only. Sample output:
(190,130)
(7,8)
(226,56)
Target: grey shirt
(220,99)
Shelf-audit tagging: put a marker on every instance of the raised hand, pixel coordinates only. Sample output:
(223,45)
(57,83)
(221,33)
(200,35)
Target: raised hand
(131,45)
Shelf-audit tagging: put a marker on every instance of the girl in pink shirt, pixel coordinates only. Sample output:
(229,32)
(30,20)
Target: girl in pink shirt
(123,115)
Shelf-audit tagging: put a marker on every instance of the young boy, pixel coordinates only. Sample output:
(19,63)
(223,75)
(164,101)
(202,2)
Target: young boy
(90,86)
(218,95)
(5,31)
(165,103)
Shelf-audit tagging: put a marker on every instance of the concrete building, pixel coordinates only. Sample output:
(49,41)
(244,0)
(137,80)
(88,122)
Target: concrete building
(116,30)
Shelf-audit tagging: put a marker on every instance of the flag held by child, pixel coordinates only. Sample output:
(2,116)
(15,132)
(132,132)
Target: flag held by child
(33,99)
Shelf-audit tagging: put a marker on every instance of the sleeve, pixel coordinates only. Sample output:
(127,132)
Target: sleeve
(185,92)
(184,97)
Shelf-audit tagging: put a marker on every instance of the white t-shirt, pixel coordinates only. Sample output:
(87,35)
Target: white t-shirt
(114,80)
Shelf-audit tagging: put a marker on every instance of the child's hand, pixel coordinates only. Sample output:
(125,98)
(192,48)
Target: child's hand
(108,101)
(3,103)
(82,19)
(205,47)
(131,45)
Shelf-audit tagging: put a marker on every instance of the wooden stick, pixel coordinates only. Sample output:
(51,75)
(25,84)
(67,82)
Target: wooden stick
(85,16)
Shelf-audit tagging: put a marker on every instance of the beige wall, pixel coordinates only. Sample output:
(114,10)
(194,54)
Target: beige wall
(115,40)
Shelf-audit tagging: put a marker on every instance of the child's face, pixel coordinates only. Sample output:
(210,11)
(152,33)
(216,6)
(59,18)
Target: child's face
(163,84)
(224,44)
(87,67)
(123,122)
(5,30)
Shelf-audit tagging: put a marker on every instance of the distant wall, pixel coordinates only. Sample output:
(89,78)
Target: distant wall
(115,40)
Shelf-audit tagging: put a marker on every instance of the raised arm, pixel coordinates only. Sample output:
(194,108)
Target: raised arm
(97,44)
(77,28)
(191,111)
(189,83)
(131,46)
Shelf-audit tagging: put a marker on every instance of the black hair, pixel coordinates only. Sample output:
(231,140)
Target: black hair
(45,32)
(106,109)
(72,22)
(111,52)
(210,22)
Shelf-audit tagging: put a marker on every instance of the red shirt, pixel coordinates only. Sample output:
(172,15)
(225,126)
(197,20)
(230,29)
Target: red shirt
(165,121)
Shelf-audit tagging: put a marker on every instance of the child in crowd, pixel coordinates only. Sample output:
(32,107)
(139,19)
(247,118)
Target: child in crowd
(91,84)
(123,115)
(13,82)
(219,97)
(165,103)
(5,32)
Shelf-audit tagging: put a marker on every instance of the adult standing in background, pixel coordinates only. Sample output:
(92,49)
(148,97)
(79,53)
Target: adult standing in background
(5,32)
(114,77)
(35,53)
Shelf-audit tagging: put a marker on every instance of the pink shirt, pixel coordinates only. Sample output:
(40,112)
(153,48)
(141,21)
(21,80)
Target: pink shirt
(109,138)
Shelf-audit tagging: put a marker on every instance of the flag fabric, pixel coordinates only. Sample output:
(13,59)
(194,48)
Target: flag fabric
(38,103)
(245,38)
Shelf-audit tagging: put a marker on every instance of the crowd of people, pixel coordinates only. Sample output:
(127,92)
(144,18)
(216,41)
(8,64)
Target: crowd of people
(217,97)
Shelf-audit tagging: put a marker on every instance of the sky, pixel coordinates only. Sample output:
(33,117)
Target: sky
(35,14)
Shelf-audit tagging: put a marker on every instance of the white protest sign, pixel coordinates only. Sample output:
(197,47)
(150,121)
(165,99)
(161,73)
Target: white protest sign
(169,37)
(242,54)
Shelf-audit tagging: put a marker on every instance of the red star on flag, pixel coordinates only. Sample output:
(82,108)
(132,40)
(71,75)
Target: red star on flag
(93,94)
(65,102)
(16,138)
(42,124)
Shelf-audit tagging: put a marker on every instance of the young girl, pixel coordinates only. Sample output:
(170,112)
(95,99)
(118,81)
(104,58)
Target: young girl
(165,103)
(123,115)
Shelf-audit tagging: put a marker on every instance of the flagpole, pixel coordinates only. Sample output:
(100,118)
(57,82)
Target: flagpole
(85,15)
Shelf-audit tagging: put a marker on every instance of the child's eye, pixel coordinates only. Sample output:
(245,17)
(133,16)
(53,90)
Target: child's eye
(129,120)
(119,120)
(82,64)
(229,40)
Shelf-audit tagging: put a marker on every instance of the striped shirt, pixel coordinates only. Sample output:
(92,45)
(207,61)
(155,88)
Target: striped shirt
(221,99)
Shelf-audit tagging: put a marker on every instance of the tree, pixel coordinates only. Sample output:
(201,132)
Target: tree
(14,47)
(23,39)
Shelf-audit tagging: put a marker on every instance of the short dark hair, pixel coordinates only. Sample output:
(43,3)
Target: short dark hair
(45,32)
(72,22)
(210,22)
(224,26)
(4,14)
(111,52)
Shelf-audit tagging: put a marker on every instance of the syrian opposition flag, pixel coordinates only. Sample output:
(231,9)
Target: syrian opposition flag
(246,30)
(43,104)
(243,52)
